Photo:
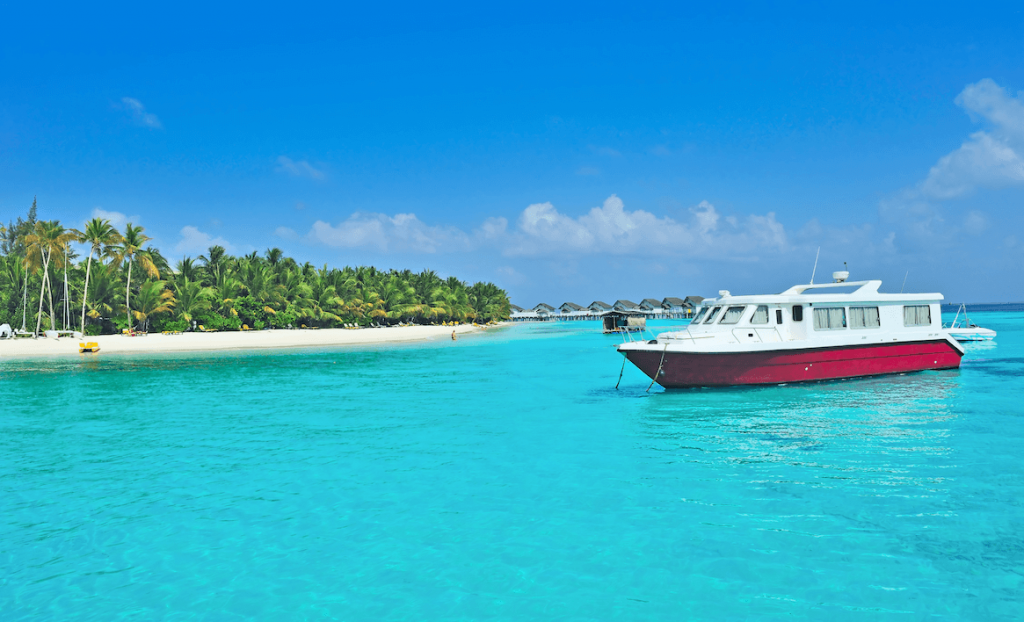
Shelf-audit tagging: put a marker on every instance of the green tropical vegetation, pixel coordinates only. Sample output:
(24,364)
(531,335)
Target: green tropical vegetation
(124,282)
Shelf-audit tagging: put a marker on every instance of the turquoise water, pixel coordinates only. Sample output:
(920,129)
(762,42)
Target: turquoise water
(503,477)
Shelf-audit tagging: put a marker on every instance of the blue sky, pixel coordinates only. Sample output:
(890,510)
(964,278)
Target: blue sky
(576,153)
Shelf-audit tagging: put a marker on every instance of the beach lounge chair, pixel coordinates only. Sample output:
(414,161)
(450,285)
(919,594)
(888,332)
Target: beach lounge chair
(245,327)
(91,346)
(203,329)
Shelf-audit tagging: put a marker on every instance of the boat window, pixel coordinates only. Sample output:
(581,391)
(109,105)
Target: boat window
(917,315)
(711,316)
(778,317)
(829,318)
(798,313)
(864,317)
(699,315)
(732,315)
(760,315)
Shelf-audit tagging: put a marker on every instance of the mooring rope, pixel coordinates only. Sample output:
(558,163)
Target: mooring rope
(620,372)
(658,373)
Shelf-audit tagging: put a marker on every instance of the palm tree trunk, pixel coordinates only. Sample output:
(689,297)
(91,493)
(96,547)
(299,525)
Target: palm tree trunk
(127,304)
(24,300)
(85,292)
(49,296)
(42,290)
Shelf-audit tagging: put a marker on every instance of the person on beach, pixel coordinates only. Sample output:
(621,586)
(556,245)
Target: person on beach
(453,336)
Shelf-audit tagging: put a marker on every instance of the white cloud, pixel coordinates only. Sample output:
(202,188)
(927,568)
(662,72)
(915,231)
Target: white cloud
(987,158)
(399,233)
(542,231)
(195,241)
(139,114)
(493,228)
(983,160)
(990,101)
(286,233)
(117,219)
(511,275)
(976,222)
(302,168)
(611,229)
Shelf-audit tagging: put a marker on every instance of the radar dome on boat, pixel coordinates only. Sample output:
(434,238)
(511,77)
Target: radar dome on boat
(840,276)
(722,293)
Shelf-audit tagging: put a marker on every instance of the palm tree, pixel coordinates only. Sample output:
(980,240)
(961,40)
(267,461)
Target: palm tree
(192,298)
(392,297)
(104,293)
(225,294)
(274,256)
(258,281)
(130,251)
(14,274)
(153,298)
(489,301)
(101,236)
(186,269)
(47,236)
(217,263)
(295,291)
(323,303)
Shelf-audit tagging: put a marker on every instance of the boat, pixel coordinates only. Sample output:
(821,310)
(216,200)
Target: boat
(91,346)
(966,330)
(623,322)
(807,333)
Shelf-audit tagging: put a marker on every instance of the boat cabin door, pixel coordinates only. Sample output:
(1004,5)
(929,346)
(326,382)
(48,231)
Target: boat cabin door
(798,320)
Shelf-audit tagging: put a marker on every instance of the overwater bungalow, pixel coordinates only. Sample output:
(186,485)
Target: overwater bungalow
(597,307)
(520,314)
(623,322)
(692,304)
(674,307)
(545,311)
(573,311)
(627,306)
(651,307)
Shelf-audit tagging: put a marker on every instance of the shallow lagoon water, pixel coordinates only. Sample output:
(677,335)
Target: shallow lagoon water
(504,477)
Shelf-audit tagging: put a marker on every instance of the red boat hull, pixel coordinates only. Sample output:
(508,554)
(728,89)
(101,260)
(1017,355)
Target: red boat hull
(685,369)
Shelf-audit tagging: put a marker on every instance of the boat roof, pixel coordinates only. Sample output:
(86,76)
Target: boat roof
(866,291)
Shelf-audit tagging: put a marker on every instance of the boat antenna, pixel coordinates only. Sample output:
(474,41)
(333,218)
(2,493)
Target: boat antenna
(815,265)
(904,281)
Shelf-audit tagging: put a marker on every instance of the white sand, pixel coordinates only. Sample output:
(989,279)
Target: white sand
(193,342)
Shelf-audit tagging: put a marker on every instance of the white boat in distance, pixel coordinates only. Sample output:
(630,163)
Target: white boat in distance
(966,330)
(799,336)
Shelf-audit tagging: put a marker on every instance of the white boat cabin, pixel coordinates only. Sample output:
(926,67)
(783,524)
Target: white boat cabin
(816,312)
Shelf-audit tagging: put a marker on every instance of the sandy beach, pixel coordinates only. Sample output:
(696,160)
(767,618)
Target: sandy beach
(249,340)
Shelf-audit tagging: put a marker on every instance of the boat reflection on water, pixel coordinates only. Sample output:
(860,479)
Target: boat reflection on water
(871,430)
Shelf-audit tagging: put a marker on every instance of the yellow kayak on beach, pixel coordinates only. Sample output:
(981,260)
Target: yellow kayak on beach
(91,346)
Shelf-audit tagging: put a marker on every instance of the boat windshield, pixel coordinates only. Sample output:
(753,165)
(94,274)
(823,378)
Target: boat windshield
(699,315)
(711,316)
(732,315)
